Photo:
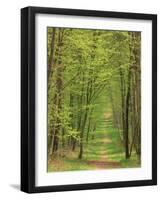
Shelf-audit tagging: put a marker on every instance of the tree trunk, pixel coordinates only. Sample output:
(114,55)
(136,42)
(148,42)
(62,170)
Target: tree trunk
(58,93)
(51,57)
(127,155)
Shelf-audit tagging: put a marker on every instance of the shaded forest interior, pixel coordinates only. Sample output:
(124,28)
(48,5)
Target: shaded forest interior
(94,99)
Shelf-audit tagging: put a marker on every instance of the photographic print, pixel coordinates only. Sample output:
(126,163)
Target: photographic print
(88,99)
(94,99)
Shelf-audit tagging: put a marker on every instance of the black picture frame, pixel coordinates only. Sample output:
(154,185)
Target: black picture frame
(28,98)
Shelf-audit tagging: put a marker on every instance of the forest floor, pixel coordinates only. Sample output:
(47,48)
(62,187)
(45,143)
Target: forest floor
(105,151)
(103,161)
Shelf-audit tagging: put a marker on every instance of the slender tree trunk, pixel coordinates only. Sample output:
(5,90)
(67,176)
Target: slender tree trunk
(135,93)
(127,155)
(81,121)
(58,94)
(88,130)
(51,57)
(123,111)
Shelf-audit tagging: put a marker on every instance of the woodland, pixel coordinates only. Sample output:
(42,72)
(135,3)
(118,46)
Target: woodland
(94,99)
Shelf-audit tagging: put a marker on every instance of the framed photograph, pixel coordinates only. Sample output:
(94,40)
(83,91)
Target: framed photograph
(88,99)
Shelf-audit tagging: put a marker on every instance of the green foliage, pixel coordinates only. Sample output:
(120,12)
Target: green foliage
(89,78)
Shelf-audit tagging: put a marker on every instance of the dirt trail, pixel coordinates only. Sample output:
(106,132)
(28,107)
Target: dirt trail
(104,162)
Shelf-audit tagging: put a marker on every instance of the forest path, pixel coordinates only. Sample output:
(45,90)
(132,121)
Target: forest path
(103,161)
(103,151)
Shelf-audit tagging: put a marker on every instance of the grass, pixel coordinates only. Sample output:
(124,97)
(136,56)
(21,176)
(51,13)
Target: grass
(105,146)
(116,150)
